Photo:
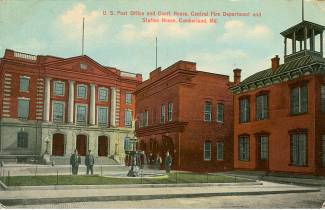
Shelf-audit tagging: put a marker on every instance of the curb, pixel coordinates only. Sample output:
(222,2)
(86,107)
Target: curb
(72,187)
(37,201)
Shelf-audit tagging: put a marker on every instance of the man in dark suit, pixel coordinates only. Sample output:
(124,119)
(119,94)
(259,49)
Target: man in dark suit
(89,162)
(75,160)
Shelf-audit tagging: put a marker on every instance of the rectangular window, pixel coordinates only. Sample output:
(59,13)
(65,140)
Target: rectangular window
(162,114)
(298,149)
(299,100)
(323,97)
(102,94)
(323,151)
(81,114)
(264,147)
(146,118)
(207,150)
(220,112)
(243,145)
(81,91)
(170,112)
(128,98)
(22,140)
(58,88)
(128,119)
(102,116)
(141,120)
(220,150)
(244,110)
(24,84)
(23,108)
(58,111)
(207,111)
(262,107)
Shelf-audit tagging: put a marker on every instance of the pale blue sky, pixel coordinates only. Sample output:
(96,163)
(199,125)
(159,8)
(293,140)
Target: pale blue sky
(54,28)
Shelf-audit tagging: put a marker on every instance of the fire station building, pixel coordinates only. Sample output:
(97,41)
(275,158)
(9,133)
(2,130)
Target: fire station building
(188,113)
(279,113)
(56,105)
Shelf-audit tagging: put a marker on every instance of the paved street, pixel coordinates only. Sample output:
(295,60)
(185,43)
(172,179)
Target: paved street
(294,200)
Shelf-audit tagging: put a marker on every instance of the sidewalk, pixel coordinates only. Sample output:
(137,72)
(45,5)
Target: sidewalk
(46,196)
(306,180)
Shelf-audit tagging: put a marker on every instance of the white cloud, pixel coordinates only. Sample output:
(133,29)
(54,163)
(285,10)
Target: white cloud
(70,23)
(130,32)
(239,30)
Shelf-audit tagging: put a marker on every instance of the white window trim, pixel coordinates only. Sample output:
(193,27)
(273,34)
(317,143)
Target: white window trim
(204,150)
(55,82)
(102,88)
(23,98)
(171,113)
(59,102)
(24,77)
(98,107)
(126,93)
(130,110)
(75,112)
(223,113)
(82,85)
(223,150)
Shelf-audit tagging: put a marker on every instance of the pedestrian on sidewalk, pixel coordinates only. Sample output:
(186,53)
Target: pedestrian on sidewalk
(89,162)
(168,162)
(158,162)
(75,160)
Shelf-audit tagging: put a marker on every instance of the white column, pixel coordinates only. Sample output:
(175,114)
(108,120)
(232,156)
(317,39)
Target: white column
(113,107)
(47,97)
(92,114)
(71,101)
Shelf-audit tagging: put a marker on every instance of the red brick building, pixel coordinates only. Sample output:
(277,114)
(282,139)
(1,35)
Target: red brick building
(188,113)
(55,105)
(279,113)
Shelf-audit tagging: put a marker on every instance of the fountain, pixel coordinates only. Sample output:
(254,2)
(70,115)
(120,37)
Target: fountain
(135,158)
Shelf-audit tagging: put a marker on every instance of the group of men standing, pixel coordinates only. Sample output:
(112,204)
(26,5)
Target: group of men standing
(75,161)
(156,162)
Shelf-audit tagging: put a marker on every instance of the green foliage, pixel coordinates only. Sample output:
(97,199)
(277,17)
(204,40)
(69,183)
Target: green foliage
(102,180)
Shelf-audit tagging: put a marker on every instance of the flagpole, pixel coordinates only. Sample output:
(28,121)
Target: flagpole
(83,35)
(156,53)
(303,10)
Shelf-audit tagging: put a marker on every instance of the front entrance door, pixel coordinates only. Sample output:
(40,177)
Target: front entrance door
(263,152)
(58,144)
(102,146)
(82,144)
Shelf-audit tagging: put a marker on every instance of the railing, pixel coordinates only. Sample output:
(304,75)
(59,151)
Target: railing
(128,74)
(25,56)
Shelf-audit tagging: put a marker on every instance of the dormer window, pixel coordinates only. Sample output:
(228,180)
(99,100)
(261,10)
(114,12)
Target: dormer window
(83,66)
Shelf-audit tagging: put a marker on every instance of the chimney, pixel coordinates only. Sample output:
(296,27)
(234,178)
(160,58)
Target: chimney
(275,63)
(237,76)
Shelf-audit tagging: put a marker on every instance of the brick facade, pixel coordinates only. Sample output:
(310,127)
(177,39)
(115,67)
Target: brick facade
(187,89)
(42,72)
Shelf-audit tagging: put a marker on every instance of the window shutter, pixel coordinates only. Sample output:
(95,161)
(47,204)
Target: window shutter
(304,98)
(302,149)
(294,149)
(294,100)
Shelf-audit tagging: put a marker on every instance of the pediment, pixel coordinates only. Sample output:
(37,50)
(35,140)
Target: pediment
(84,65)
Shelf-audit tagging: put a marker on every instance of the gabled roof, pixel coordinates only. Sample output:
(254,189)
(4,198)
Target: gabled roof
(282,69)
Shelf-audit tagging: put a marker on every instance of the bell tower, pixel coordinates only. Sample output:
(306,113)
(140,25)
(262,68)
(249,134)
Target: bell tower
(303,39)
